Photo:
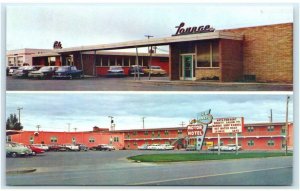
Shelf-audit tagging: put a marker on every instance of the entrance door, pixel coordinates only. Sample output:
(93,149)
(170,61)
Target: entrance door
(187,67)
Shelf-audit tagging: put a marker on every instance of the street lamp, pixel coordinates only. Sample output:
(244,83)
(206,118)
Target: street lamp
(143,118)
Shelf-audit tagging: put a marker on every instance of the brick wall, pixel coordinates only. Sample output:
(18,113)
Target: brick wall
(268,52)
(207,72)
(231,60)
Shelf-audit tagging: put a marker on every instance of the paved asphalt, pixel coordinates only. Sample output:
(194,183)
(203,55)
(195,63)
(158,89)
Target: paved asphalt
(97,168)
(129,84)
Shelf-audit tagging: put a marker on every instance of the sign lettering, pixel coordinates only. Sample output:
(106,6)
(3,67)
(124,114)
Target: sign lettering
(192,30)
(227,125)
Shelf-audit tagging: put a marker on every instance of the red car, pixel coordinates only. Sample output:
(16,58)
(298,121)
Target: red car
(36,150)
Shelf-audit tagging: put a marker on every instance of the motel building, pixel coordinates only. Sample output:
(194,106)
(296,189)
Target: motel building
(256,136)
(250,54)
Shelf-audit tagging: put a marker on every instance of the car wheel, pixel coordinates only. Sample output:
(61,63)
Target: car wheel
(33,153)
(13,155)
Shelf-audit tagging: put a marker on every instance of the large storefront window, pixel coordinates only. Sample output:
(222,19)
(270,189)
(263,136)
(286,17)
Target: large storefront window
(105,61)
(208,55)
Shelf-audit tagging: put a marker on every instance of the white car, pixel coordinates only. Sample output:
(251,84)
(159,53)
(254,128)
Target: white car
(230,147)
(41,146)
(143,147)
(155,147)
(167,147)
(72,147)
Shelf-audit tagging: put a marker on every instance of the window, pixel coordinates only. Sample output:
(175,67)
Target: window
(132,60)
(146,133)
(179,132)
(283,129)
(128,136)
(250,129)
(270,142)
(152,133)
(51,61)
(73,140)
(105,61)
(250,143)
(158,134)
(145,61)
(134,133)
(126,61)
(91,139)
(53,139)
(135,143)
(208,55)
(119,61)
(8,138)
(166,132)
(116,139)
(31,140)
(163,59)
(271,128)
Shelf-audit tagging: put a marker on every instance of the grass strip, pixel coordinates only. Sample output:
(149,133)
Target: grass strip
(202,156)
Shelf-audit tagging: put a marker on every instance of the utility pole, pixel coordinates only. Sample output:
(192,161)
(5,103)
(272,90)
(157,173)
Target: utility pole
(271,116)
(182,124)
(111,122)
(20,108)
(38,128)
(143,118)
(68,126)
(286,124)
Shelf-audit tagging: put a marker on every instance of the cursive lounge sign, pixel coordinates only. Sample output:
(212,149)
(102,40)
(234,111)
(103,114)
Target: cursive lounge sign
(192,30)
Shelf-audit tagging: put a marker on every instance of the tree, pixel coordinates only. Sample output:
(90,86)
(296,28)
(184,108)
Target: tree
(12,123)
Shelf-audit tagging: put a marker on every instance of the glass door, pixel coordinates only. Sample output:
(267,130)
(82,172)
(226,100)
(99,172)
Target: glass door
(187,67)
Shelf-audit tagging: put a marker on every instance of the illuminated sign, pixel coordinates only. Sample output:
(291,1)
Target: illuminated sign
(227,125)
(195,130)
(192,30)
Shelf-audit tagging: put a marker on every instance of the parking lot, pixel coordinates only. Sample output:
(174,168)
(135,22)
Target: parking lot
(112,168)
(130,84)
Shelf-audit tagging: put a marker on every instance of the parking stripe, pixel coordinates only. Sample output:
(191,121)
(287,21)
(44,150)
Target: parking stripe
(206,176)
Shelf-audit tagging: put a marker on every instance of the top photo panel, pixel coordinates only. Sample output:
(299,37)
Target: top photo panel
(149,47)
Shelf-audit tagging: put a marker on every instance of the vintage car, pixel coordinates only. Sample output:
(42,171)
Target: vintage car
(136,70)
(41,146)
(67,72)
(71,147)
(155,147)
(45,72)
(230,147)
(167,147)
(16,149)
(190,148)
(115,71)
(101,147)
(10,70)
(143,147)
(155,70)
(35,150)
(82,147)
(23,71)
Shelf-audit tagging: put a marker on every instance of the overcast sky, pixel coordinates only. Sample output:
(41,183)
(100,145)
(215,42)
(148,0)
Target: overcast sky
(84,110)
(38,26)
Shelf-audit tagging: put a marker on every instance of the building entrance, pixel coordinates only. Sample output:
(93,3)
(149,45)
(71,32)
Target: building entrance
(187,67)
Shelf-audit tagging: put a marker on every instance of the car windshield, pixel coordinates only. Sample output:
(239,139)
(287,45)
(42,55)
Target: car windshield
(45,69)
(63,69)
(115,68)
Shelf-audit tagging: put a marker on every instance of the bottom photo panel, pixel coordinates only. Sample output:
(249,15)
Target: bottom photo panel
(149,139)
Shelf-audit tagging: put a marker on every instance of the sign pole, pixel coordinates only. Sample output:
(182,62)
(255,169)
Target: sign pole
(219,144)
(236,143)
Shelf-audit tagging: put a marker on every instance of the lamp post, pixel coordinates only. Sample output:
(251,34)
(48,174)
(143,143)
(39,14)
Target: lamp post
(150,59)
(143,118)
(286,124)
(111,122)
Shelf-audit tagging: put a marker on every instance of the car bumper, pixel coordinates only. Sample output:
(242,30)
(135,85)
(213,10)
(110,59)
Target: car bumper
(115,75)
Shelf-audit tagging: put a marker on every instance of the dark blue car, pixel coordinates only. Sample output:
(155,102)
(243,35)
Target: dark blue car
(68,72)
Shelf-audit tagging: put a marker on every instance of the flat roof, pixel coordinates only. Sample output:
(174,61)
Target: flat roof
(155,41)
(48,54)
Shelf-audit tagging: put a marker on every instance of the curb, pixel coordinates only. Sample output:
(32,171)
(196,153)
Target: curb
(20,171)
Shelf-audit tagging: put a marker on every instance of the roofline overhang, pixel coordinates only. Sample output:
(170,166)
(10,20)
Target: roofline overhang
(155,42)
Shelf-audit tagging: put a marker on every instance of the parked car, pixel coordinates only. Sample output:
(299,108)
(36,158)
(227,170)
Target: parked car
(230,147)
(82,147)
(16,149)
(155,147)
(167,147)
(155,70)
(45,72)
(143,147)
(35,150)
(101,147)
(135,70)
(115,71)
(190,148)
(41,146)
(71,147)
(10,70)
(23,71)
(68,72)
(214,148)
